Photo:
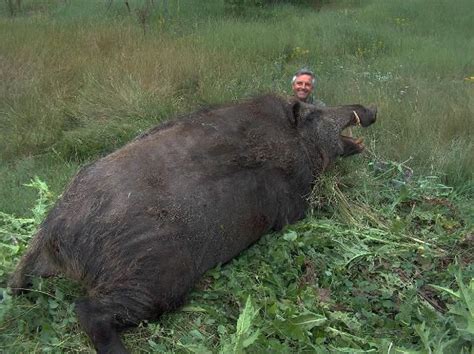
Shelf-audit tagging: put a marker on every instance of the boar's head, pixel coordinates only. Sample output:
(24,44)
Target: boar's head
(321,128)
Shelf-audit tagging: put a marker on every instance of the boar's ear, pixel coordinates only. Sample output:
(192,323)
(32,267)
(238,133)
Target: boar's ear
(300,112)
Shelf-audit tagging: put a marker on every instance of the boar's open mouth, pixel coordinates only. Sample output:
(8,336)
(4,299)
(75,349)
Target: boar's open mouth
(352,145)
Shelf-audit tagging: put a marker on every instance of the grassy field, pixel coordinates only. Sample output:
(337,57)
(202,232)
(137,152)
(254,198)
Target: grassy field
(383,263)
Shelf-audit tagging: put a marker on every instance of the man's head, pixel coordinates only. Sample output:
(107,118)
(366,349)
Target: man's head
(303,84)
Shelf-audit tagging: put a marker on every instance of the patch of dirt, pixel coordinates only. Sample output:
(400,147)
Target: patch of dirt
(309,276)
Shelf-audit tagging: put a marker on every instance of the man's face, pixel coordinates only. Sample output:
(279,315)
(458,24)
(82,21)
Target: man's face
(303,86)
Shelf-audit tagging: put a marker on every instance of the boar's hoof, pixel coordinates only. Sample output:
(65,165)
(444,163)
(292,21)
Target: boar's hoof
(100,327)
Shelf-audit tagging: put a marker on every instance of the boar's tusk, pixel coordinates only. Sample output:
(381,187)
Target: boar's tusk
(357,118)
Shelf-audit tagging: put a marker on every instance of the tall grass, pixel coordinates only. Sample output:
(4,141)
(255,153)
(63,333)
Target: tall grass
(81,78)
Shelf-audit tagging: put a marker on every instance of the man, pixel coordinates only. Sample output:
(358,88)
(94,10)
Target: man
(303,85)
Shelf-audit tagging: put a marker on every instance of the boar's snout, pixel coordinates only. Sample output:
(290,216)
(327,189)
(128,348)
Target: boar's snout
(371,116)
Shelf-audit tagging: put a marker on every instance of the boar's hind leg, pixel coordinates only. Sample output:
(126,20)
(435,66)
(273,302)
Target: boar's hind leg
(100,325)
(35,262)
(102,319)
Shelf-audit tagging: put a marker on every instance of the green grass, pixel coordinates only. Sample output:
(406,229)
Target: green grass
(385,260)
(14,176)
(82,70)
(78,80)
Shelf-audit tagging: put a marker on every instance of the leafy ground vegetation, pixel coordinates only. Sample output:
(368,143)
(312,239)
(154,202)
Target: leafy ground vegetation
(383,262)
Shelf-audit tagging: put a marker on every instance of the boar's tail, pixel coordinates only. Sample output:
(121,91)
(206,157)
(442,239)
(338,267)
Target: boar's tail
(35,262)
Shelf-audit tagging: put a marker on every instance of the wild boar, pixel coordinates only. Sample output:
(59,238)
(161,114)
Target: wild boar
(140,226)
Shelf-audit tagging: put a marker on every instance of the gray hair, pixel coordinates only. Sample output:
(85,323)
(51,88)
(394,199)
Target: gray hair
(304,71)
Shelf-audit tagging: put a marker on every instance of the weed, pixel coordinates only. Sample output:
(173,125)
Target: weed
(381,274)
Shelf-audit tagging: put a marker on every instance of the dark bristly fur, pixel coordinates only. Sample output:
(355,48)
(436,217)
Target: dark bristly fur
(141,225)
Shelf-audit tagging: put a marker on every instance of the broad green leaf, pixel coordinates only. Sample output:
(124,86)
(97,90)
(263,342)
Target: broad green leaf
(309,321)
(251,339)
(246,317)
(454,294)
(290,236)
